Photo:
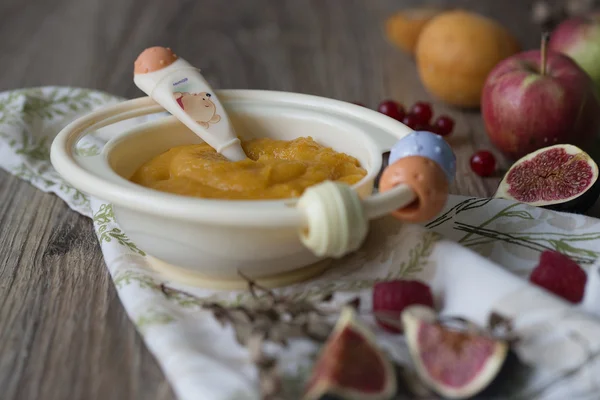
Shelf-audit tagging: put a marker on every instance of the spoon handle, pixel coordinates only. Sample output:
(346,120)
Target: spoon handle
(182,90)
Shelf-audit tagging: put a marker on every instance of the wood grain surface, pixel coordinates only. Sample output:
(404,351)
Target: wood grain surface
(63,331)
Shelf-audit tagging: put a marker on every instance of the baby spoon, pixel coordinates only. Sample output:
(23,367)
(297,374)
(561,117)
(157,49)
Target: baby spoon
(180,88)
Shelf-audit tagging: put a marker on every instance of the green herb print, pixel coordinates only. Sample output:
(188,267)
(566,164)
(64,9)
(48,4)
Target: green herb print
(10,107)
(34,149)
(49,103)
(27,173)
(30,119)
(47,179)
(152,318)
(103,219)
(418,256)
(417,259)
(127,277)
(564,242)
(538,241)
(20,109)
(468,204)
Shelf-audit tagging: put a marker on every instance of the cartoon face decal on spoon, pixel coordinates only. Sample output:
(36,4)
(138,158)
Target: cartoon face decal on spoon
(199,106)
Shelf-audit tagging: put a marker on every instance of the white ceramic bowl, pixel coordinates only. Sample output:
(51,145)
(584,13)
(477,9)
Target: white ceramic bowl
(218,238)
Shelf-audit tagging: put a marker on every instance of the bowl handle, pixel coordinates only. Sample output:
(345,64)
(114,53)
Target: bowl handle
(336,220)
(426,182)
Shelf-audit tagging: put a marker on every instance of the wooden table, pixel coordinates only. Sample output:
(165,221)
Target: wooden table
(63,331)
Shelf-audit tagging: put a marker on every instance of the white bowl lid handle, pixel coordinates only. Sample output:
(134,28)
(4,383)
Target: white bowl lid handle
(337,220)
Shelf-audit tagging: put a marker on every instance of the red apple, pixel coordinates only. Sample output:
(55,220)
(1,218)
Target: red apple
(579,38)
(525,108)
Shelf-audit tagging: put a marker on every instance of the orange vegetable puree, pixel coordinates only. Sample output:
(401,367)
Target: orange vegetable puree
(275,169)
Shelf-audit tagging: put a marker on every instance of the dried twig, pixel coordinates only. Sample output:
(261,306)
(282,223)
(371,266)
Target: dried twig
(253,285)
(269,317)
(354,303)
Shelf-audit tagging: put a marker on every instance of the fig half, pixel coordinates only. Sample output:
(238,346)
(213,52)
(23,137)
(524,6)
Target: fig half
(561,177)
(455,364)
(351,366)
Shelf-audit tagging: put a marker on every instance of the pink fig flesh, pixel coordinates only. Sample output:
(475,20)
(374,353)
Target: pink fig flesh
(351,365)
(455,364)
(555,174)
(569,176)
(348,350)
(459,359)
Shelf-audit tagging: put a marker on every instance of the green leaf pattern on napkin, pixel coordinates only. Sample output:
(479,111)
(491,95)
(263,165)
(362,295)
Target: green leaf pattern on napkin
(152,318)
(127,277)
(107,229)
(516,225)
(29,120)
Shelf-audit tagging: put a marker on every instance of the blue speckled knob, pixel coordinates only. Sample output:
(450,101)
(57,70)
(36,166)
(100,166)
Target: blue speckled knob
(428,145)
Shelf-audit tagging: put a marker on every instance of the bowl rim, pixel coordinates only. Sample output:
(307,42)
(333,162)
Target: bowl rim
(277,212)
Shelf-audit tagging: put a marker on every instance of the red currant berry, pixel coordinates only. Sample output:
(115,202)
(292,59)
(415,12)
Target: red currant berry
(483,163)
(392,109)
(422,111)
(411,121)
(443,125)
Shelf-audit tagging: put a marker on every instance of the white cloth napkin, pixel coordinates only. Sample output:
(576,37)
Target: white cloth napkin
(476,256)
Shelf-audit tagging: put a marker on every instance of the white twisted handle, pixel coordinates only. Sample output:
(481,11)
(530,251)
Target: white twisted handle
(336,220)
